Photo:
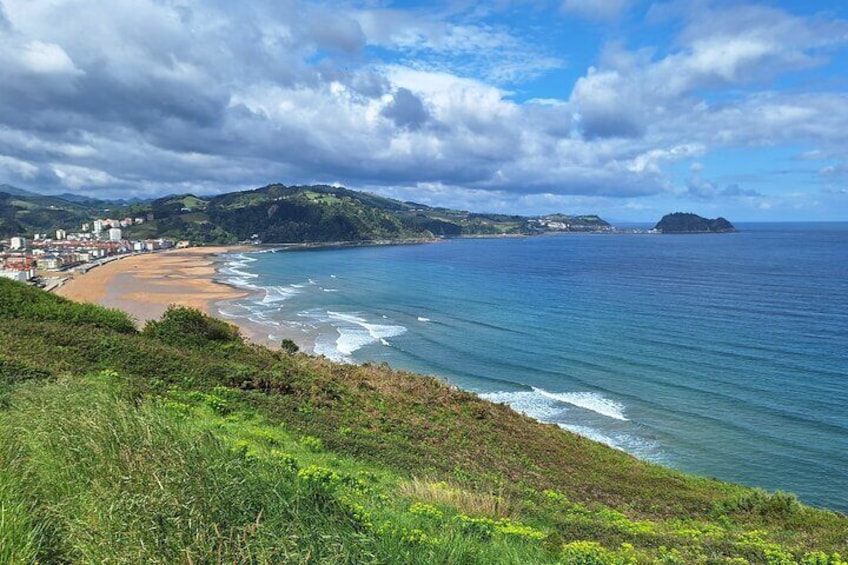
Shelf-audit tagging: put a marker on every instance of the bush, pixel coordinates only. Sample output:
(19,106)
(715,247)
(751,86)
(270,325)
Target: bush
(289,346)
(778,505)
(313,444)
(183,326)
(587,553)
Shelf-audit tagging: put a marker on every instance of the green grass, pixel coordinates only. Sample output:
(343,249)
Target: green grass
(325,199)
(182,444)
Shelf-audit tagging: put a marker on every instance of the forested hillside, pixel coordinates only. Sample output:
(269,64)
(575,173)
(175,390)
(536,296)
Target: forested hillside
(274,214)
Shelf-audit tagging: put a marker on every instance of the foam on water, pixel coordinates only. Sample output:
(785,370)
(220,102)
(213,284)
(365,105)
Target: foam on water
(528,403)
(354,333)
(278,294)
(237,276)
(545,407)
(591,401)
(423,319)
(641,448)
(376,331)
(593,434)
(352,339)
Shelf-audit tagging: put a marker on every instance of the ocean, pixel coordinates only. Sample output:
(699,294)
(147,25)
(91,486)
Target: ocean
(721,355)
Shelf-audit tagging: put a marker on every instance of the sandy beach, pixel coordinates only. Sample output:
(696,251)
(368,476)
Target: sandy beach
(145,285)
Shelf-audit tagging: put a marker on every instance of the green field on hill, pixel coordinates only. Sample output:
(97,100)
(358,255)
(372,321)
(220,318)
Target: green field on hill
(181,443)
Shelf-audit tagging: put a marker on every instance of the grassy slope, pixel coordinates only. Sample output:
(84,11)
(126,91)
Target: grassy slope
(183,444)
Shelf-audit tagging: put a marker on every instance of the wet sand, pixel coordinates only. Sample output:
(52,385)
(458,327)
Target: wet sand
(145,285)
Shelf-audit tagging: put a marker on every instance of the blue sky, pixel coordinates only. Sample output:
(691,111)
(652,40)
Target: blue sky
(624,108)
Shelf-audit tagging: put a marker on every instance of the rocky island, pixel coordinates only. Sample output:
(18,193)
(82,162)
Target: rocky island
(682,222)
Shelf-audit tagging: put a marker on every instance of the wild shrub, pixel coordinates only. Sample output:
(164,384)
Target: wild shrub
(289,346)
(593,553)
(426,510)
(822,558)
(311,443)
(778,505)
(183,326)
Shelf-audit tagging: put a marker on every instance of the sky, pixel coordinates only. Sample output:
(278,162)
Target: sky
(628,109)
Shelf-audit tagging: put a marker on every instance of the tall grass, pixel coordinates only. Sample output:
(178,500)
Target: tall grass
(89,474)
(491,505)
(111,482)
(19,536)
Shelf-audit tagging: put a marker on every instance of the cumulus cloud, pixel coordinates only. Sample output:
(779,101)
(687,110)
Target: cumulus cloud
(610,104)
(159,97)
(406,109)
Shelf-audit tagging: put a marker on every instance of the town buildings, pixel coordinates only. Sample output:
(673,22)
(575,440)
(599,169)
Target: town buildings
(97,241)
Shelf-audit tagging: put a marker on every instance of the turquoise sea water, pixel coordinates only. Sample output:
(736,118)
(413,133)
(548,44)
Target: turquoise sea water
(722,355)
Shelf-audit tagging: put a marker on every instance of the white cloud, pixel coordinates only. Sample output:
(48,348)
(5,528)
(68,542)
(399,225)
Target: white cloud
(17,168)
(73,176)
(651,160)
(434,43)
(610,104)
(157,97)
(47,58)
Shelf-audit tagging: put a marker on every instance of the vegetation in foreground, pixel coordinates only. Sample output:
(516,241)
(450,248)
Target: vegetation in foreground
(180,443)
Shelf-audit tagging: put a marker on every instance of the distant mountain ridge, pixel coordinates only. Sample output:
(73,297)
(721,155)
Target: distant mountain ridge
(684,222)
(15,191)
(25,213)
(277,213)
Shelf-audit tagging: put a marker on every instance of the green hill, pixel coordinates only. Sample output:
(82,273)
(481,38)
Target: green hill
(318,213)
(683,222)
(274,214)
(183,444)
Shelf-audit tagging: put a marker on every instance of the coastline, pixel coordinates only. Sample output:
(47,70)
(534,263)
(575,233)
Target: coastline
(145,285)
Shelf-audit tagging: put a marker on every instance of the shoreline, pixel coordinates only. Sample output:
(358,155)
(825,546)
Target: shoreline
(144,285)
